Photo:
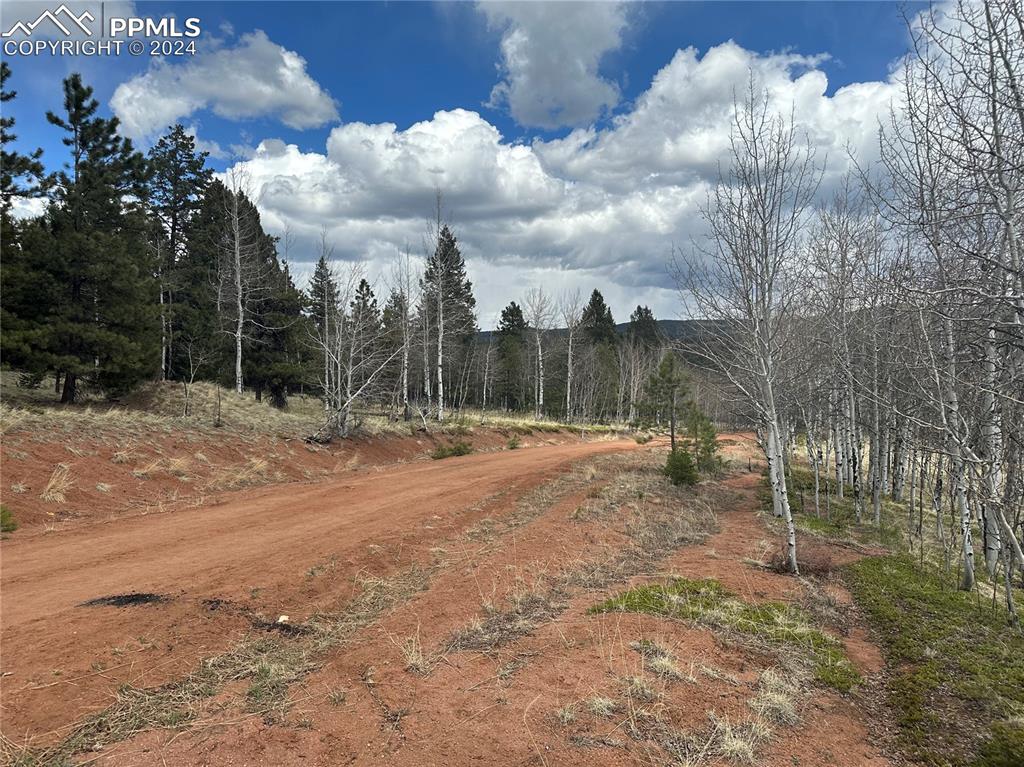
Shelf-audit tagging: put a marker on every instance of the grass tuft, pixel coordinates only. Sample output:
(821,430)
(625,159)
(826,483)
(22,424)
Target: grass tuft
(452,450)
(771,623)
(59,484)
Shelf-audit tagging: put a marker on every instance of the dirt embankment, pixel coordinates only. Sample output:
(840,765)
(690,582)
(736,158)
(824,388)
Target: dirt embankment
(55,481)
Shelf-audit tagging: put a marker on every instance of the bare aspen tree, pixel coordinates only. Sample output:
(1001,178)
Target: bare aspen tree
(406,280)
(241,272)
(741,279)
(571,310)
(539,314)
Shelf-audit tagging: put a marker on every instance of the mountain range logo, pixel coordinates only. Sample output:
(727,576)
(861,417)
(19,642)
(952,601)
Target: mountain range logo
(70,20)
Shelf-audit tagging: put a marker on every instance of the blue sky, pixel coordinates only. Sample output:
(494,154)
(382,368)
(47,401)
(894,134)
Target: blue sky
(547,96)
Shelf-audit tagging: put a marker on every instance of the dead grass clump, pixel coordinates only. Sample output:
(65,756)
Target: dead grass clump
(147,471)
(179,466)
(103,487)
(737,743)
(658,659)
(639,689)
(777,696)
(59,484)
(124,455)
(412,651)
(19,487)
(566,715)
(255,471)
(527,610)
(602,706)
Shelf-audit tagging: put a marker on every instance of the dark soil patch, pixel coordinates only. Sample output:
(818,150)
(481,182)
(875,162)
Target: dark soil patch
(126,600)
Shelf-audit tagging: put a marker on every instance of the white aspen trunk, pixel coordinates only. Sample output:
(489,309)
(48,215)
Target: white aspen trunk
(239,298)
(951,419)
(540,376)
(813,457)
(900,456)
(993,446)
(779,490)
(837,443)
(440,347)
(568,380)
(327,353)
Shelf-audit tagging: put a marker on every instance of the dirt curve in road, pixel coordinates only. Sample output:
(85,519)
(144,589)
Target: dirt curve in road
(265,530)
(259,549)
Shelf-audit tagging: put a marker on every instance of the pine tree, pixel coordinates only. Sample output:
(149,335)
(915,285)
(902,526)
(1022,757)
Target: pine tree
(449,305)
(86,276)
(367,328)
(665,392)
(178,178)
(23,294)
(196,317)
(598,323)
(643,328)
(20,175)
(511,334)
(274,359)
(323,310)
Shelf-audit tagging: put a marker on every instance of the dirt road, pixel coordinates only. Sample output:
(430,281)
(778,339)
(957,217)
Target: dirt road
(259,550)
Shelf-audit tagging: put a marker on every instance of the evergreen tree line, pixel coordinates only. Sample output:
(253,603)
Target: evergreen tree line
(146,267)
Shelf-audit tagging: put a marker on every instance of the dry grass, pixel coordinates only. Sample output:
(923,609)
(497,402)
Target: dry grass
(602,706)
(412,652)
(103,487)
(19,487)
(255,471)
(566,715)
(778,693)
(59,484)
(639,689)
(149,469)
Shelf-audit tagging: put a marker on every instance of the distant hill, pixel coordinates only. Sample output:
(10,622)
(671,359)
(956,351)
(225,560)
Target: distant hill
(672,330)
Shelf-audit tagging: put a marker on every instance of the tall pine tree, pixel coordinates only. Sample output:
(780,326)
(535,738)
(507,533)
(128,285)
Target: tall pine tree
(86,301)
(511,383)
(178,178)
(449,307)
(598,323)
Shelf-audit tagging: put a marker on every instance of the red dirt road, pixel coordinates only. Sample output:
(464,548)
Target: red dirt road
(276,529)
(260,549)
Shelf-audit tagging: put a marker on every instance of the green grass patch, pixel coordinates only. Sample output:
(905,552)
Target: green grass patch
(448,451)
(7,523)
(956,668)
(774,623)
(838,516)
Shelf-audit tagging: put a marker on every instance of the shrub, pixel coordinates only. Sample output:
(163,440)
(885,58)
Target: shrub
(643,439)
(7,523)
(679,468)
(513,442)
(447,451)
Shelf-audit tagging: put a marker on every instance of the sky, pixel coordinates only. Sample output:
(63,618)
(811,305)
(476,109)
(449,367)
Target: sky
(573,143)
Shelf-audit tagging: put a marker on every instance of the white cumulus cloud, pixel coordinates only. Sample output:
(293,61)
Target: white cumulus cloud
(550,57)
(254,78)
(597,208)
